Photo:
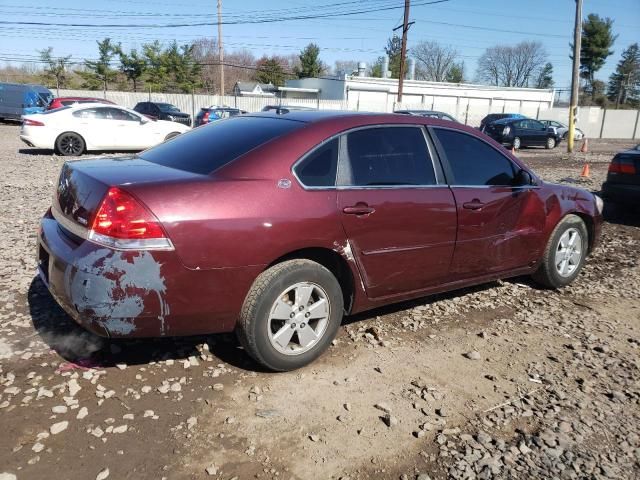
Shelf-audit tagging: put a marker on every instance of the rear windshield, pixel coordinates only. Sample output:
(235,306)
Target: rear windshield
(207,148)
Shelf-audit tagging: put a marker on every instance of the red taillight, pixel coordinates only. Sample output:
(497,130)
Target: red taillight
(123,217)
(205,117)
(618,165)
(32,123)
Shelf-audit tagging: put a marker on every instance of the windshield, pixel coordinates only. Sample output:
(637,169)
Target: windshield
(167,107)
(210,147)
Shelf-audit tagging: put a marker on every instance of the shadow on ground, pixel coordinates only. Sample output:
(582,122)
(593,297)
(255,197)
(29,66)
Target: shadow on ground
(78,346)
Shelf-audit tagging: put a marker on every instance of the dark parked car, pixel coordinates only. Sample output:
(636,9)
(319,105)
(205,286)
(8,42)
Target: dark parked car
(211,114)
(163,111)
(525,132)
(66,101)
(277,225)
(428,114)
(492,117)
(623,179)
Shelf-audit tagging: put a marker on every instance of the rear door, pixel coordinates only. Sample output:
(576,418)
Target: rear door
(397,213)
(500,225)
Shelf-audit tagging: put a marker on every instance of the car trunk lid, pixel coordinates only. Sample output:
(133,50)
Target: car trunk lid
(82,186)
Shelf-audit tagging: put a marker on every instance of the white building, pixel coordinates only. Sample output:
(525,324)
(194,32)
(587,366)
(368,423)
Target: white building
(460,100)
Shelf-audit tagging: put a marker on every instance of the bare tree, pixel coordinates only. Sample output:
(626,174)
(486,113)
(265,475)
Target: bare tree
(516,66)
(433,61)
(239,65)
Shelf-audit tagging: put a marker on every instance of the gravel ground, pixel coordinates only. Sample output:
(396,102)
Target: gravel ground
(504,380)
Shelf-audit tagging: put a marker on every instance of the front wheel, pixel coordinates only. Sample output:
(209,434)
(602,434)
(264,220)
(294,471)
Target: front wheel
(70,144)
(516,143)
(551,143)
(290,315)
(565,253)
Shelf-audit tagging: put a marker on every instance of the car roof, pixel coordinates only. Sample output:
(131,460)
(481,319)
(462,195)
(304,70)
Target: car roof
(312,116)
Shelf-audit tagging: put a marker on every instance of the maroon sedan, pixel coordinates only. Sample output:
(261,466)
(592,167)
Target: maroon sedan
(277,225)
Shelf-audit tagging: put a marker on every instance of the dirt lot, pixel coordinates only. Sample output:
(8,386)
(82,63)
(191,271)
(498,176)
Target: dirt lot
(500,381)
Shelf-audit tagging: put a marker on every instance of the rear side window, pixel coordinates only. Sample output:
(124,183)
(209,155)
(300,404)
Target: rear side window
(207,148)
(91,113)
(473,161)
(387,156)
(318,169)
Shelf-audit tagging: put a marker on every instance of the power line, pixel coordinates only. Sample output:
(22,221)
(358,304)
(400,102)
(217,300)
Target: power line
(226,22)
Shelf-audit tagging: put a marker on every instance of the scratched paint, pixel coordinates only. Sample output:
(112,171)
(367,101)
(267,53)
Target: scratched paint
(111,287)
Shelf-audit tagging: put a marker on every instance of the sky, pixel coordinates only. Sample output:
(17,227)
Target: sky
(469,26)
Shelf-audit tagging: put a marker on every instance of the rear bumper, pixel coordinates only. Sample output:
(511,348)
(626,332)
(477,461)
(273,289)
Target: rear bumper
(137,293)
(621,192)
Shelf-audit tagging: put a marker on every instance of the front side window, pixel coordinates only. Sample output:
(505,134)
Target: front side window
(474,162)
(119,115)
(386,156)
(318,169)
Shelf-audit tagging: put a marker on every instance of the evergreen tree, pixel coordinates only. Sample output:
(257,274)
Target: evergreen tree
(376,68)
(310,64)
(545,78)
(98,74)
(155,75)
(597,40)
(394,51)
(624,83)
(456,73)
(132,65)
(270,71)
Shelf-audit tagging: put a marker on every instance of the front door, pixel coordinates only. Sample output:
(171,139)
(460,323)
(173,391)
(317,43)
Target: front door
(399,220)
(500,225)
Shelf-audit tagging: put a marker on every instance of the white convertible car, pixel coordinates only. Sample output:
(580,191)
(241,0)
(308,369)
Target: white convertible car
(78,128)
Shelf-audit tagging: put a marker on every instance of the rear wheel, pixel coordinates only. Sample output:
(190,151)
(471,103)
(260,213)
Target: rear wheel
(565,253)
(551,143)
(516,143)
(291,314)
(70,144)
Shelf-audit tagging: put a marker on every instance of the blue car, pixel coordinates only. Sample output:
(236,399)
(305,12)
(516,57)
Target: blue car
(211,114)
(18,99)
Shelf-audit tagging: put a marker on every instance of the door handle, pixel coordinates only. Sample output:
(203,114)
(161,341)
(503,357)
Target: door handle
(359,209)
(474,204)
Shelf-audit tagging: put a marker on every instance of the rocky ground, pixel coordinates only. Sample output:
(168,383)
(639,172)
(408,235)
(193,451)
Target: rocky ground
(504,380)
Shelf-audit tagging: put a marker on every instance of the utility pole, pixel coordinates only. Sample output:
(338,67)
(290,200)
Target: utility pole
(575,78)
(220,48)
(403,52)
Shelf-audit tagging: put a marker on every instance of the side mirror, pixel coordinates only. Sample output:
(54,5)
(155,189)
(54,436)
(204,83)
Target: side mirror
(143,120)
(522,179)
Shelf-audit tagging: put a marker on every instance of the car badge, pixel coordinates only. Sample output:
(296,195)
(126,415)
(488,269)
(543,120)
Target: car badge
(284,183)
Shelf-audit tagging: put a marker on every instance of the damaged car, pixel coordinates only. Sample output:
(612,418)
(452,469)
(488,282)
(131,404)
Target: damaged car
(276,226)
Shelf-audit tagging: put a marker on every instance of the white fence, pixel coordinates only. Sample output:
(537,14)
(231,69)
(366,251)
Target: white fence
(595,122)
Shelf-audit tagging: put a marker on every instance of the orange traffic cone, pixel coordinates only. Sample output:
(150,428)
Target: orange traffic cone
(585,146)
(513,150)
(585,170)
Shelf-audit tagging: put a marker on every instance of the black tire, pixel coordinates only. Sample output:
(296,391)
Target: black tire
(551,143)
(171,135)
(70,144)
(547,274)
(517,143)
(254,322)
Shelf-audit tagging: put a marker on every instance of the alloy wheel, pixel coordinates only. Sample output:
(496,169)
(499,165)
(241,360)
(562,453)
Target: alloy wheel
(298,318)
(568,252)
(70,145)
